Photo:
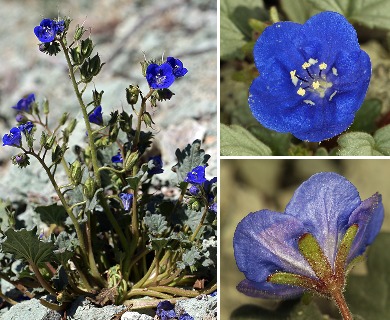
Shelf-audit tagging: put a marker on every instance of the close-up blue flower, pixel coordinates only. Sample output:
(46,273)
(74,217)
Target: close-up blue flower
(26,127)
(157,164)
(325,207)
(117,158)
(196,175)
(313,77)
(160,76)
(14,138)
(127,200)
(96,116)
(48,29)
(177,67)
(24,104)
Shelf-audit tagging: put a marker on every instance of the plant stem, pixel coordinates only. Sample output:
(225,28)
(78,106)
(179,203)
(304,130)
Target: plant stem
(94,160)
(200,224)
(42,280)
(5,298)
(339,299)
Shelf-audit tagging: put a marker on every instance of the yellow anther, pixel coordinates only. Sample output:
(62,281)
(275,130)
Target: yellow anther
(301,92)
(316,84)
(323,66)
(306,65)
(292,73)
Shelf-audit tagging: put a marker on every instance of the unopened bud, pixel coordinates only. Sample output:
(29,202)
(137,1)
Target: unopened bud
(76,173)
(89,188)
(132,94)
(49,142)
(79,32)
(147,119)
(63,118)
(130,160)
(71,125)
(46,106)
(86,47)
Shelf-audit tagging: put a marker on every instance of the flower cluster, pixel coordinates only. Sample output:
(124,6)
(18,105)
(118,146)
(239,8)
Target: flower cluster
(311,246)
(25,104)
(48,30)
(14,138)
(201,187)
(313,77)
(162,76)
(166,311)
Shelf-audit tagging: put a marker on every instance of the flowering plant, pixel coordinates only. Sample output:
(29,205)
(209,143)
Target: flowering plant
(324,231)
(309,82)
(112,234)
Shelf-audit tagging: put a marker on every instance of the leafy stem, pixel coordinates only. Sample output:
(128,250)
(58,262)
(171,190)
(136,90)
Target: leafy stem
(92,146)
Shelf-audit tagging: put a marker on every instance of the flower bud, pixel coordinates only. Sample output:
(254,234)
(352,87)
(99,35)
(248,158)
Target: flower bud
(49,142)
(89,188)
(97,97)
(46,106)
(71,125)
(76,55)
(132,93)
(79,32)
(21,160)
(147,119)
(76,172)
(64,118)
(130,160)
(86,48)
(94,65)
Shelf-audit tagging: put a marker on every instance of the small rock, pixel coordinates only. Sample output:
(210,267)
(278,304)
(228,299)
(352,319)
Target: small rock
(203,307)
(135,316)
(30,309)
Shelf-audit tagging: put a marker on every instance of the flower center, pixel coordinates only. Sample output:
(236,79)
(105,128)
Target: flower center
(160,79)
(312,79)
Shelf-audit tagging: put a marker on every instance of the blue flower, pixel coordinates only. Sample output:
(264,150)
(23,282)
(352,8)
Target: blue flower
(196,175)
(127,199)
(96,116)
(194,190)
(14,138)
(26,127)
(177,67)
(313,77)
(117,158)
(48,29)
(157,164)
(165,310)
(213,207)
(159,76)
(325,207)
(25,104)
(185,316)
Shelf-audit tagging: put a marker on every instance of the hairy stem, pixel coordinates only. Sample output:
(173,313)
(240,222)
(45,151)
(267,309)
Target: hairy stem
(339,299)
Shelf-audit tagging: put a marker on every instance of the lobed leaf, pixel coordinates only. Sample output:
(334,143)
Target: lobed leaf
(237,141)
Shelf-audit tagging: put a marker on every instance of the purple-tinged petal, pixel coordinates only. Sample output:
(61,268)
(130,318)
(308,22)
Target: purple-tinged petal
(265,242)
(369,217)
(268,290)
(323,204)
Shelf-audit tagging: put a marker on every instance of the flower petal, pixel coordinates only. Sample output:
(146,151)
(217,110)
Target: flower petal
(369,217)
(269,290)
(265,242)
(336,32)
(324,203)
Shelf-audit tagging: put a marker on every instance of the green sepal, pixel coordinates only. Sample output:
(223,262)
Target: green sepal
(313,254)
(344,248)
(293,279)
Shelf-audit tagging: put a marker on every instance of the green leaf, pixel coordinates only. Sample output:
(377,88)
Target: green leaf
(366,116)
(371,13)
(297,10)
(368,296)
(53,214)
(6,216)
(66,245)
(363,144)
(234,26)
(287,310)
(189,158)
(237,141)
(382,140)
(26,245)
(156,223)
